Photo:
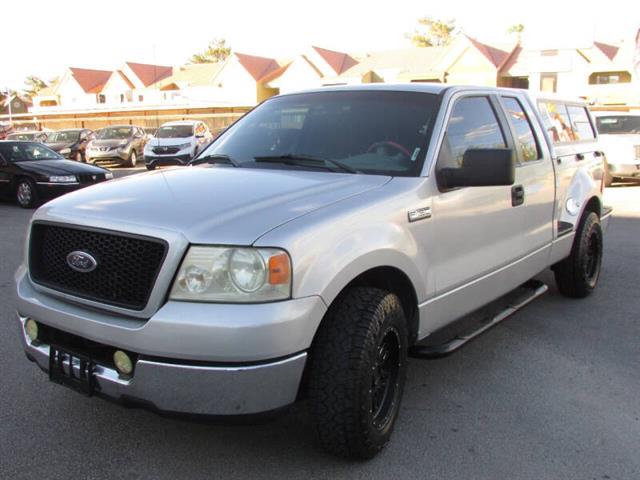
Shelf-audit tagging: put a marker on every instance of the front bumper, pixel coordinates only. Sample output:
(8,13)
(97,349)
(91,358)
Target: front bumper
(47,191)
(192,388)
(625,170)
(167,160)
(115,155)
(213,359)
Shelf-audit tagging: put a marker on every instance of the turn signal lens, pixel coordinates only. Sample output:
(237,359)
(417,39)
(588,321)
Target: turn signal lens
(123,362)
(279,269)
(31,327)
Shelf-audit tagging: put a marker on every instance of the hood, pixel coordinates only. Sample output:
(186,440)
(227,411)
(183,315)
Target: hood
(109,142)
(620,139)
(169,142)
(57,146)
(208,205)
(60,167)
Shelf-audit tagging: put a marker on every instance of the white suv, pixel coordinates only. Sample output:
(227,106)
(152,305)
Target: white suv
(176,143)
(619,134)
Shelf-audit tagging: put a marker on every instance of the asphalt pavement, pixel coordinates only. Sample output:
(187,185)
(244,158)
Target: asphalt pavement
(551,393)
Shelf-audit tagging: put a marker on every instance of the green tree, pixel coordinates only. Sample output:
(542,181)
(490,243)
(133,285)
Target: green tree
(216,51)
(32,85)
(516,29)
(433,32)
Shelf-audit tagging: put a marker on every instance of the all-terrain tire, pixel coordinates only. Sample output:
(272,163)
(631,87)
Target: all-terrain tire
(357,372)
(577,275)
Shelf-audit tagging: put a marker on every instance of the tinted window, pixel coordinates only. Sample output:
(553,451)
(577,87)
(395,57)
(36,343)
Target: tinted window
(65,136)
(556,122)
(377,132)
(618,124)
(472,124)
(114,133)
(580,123)
(522,125)
(24,151)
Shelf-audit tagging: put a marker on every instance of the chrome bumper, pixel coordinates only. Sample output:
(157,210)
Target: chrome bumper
(192,389)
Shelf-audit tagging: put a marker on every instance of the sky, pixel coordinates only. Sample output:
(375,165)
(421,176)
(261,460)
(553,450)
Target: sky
(44,37)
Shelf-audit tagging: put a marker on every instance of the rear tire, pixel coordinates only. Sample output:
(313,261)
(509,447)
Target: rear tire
(577,275)
(26,194)
(357,372)
(150,166)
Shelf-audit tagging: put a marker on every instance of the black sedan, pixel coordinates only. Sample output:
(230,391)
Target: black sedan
(32,173)
(71,143)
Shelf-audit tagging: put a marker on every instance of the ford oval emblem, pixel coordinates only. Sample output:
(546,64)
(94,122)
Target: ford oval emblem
(81,262)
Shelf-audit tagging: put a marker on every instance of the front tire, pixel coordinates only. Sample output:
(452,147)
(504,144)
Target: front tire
(133,159)
(357,372)
(26,194)
(577,275)
(150,166)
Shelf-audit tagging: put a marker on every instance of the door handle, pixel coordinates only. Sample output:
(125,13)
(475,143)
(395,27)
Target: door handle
(579,156)
(598,153)
(517,195)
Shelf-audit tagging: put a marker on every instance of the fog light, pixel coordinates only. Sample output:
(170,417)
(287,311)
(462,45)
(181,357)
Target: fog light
(123,362)
(31,327)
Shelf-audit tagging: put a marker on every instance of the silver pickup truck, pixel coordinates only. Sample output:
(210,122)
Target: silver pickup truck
(312,248)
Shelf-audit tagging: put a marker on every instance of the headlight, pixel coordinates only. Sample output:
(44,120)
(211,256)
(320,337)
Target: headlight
(184,145)
(63,179)
(123,144)
(64,151)
(233,275)
(108,176)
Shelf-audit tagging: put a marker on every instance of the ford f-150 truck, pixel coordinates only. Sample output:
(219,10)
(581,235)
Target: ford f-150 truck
(312,248)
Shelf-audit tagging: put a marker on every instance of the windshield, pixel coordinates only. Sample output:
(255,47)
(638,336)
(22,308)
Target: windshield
(66,136)
(376,132)
(618,124)
(21,136)
(26,152)
(175,131)
(115,133)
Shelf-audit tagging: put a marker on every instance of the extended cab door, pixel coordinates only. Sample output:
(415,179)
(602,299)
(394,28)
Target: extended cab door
(535,177)
(478,229)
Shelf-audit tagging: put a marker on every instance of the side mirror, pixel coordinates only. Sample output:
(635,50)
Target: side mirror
(481,167)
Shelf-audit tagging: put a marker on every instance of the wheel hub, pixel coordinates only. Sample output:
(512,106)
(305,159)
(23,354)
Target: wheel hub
(384,381)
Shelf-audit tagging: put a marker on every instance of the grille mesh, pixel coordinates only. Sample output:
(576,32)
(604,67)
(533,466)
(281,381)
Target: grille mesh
(127,265)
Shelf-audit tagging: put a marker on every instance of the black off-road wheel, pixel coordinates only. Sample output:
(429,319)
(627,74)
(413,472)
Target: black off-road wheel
(26,194)
(357,372)
(577,275)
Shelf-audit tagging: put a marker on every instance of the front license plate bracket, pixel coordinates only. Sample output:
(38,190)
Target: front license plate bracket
(71,369)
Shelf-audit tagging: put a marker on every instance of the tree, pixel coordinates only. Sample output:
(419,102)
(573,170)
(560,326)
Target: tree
(216,51)
(33,85)
(516,29)
(433,32)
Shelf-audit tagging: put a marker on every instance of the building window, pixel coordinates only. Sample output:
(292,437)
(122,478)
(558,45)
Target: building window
(514,82)
(140,98)
(121,98)
(549,82)
(607,78)
(101,98)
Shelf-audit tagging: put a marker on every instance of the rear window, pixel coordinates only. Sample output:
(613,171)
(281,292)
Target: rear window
(565,124)
(618,124)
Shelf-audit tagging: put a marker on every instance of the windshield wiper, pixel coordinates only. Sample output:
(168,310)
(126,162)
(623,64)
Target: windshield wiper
(302,160)
(215,158)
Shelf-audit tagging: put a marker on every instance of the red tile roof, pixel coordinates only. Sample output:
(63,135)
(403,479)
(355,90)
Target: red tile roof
(150,74)
(258,67)
(496,56)
(338,61)
(609,50)
(91,81)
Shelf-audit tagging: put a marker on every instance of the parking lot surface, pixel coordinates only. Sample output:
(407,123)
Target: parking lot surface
(551,393)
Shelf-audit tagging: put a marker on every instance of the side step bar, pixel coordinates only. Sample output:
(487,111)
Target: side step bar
(491,315)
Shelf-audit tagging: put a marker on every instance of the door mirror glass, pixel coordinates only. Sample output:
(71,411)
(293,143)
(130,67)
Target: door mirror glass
(481,167)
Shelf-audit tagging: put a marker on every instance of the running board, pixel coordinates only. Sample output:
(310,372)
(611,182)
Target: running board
(491,315)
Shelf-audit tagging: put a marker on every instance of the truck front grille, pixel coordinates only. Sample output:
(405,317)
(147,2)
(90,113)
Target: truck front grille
(127,265)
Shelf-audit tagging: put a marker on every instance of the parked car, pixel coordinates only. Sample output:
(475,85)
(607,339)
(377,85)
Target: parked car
(176,143)
(32,173)
(619,134)
(319,241)
(120,144)
(70,143)
(30,136)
